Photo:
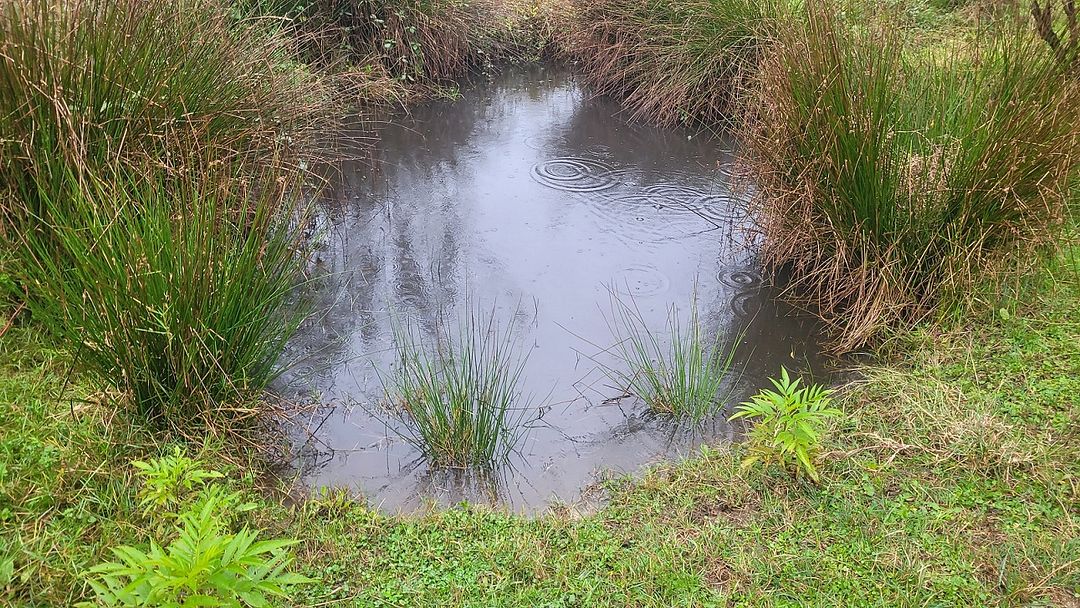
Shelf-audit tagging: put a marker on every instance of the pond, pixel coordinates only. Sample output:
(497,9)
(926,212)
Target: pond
(530,197)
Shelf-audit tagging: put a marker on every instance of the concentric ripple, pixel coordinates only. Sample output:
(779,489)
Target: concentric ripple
(746,304)
(642,280)
(740,279)
(574,174)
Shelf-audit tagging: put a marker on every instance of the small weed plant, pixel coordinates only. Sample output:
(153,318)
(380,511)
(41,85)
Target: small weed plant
(788,424)
(204,564)
(169,479)
(678,375)
(458,394)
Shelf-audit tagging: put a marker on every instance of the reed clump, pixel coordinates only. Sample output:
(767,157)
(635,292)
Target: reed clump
(148,161)
(671,61)
(680,373)
(177,289)
(403,47)
(896,179)
(457,392)
(85,86)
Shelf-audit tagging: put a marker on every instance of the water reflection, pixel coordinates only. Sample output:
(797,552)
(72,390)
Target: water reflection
(529,194)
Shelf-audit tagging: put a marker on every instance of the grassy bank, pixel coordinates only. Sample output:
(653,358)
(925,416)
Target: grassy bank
(951,479)
(152,244)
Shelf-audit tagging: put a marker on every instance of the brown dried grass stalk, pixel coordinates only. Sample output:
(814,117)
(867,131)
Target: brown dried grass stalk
(89,85)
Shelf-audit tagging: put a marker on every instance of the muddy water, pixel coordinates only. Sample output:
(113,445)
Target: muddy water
(529,196)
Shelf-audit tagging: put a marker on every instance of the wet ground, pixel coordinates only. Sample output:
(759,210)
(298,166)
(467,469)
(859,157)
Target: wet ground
(532,197)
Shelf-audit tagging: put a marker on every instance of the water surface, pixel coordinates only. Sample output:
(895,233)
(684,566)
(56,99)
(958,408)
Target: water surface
(532,197)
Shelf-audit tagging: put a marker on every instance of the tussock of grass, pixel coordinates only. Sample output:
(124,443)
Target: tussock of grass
(458,394)
(87,85)
(177,290)
(679,374)
(670,61)
(145,153)
(895,179)
(389,49)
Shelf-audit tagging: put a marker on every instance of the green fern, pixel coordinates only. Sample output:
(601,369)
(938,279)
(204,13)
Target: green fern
(788,424)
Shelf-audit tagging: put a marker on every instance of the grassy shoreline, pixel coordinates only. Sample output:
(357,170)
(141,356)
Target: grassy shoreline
(950,481)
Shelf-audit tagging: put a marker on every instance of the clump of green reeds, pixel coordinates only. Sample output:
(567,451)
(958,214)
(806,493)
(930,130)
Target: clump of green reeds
(177,289)
(679,373)
(148,197)
(896,178)
(459,393)
(671,61)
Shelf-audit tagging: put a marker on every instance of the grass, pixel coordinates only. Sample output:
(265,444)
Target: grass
(914,176)
(87,86)
(147,215)
(898,177)
(392,50)
(679,375)
(950,480)
(177,291)
(670,62)
(458,394)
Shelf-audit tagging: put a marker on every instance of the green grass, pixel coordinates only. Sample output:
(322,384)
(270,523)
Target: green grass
(145,153)
(950,480)
(897,177)
(679,374)
(393,49)
(178,291)
(457,393)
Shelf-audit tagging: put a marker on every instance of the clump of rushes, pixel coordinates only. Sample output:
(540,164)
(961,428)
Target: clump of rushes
(896,178)
(678,375)
(418,42)
(85,86)
(177,289)
(671,61)
(458,394)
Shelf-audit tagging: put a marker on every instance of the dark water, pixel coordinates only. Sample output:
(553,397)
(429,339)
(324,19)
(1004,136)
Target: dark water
(532,197)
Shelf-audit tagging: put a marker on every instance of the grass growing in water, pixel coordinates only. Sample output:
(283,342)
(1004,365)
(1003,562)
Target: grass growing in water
(178,289)
(896,178)
(459,393)
(679,374)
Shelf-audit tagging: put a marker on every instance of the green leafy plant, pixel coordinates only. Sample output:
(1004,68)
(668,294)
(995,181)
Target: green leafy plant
(204,565)
(680,374)
(166,480)
(788,424)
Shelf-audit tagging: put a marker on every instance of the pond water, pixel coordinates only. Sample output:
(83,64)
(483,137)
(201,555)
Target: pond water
(529,196)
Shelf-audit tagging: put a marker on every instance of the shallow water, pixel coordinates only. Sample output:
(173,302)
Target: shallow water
(529,196)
